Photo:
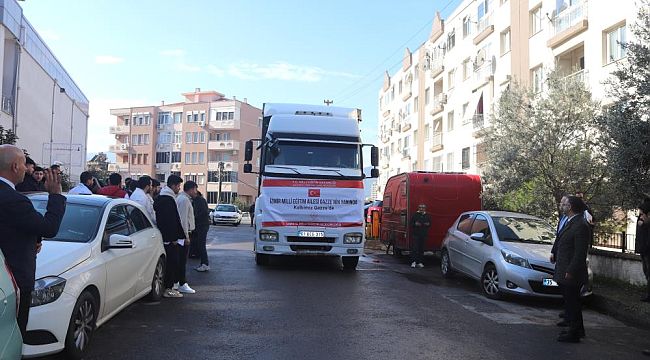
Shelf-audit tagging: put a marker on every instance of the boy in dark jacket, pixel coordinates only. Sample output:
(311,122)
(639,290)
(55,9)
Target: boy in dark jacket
(169,224)
(420,224)
(642,244)
(200,233)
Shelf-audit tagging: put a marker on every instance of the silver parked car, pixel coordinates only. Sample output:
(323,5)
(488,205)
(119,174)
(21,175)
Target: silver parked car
(508,252)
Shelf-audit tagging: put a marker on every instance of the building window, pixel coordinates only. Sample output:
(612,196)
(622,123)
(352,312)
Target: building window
(505,41)
(465,159)
(451,79)
(400,87)
(188,158)
(188,137)
(427,130)
(162,157)
(465,106)
(160,177)
(537,79)
(178,137)
(145,159)
(467,68)
(164,118)
(535,21)
(483,8)
(615,40)
(195,137)
(139,159)
(196,117)
(201,158)
(451,40)
(189,118)
(426,96)
(450,162)
(178,117)
(202,137)
(126,121)
(416,103)
(450,121)
(437,164)
(202,116)
(467,26)
(176,156)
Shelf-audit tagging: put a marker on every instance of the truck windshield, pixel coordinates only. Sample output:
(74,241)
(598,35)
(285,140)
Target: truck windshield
(298,153)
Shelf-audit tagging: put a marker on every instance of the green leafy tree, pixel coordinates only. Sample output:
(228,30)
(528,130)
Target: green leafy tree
(626,122)
(543,145)
(7,136)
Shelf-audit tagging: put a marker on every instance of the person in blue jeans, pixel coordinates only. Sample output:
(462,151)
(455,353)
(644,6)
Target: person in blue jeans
(420,224)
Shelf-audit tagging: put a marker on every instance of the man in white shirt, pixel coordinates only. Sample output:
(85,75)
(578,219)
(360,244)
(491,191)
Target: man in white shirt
(140,196)
(186,214)
(83,188)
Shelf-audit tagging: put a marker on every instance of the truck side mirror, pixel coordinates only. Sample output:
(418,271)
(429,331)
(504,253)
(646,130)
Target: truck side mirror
(248,152)
(374,173)
(374,156)
(248,168)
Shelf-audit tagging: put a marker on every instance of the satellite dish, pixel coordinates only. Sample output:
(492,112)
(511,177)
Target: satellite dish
(480,58)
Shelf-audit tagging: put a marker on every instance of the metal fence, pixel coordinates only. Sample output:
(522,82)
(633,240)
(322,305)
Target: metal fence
(615,241)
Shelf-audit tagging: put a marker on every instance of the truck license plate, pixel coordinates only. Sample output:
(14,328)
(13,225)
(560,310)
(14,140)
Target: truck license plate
(311,233)
(549,282)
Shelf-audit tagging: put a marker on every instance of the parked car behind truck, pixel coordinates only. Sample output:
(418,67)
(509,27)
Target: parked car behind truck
(446,196)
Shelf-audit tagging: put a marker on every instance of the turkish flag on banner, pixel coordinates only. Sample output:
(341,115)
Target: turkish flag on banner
(313,192)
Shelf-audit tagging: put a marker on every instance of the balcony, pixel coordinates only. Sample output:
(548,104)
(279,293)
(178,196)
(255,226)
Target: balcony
(483,74)
(437,66)
(406,124)
(119,148)
(439,102)
(436,141)
(484,28)
(114,168)
(568,23)
(478,121)
(121,112)
(223,145)
(119,129)
(224,124)
(385,136)
(227,166)
(407,94)
(579,76)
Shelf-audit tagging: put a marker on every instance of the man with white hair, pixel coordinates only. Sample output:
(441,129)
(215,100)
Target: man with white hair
(22,227)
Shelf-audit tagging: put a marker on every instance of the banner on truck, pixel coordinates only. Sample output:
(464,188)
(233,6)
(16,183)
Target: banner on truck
(306,202)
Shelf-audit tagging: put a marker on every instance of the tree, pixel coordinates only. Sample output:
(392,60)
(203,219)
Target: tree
(7,136)
(543,145)
(626,121)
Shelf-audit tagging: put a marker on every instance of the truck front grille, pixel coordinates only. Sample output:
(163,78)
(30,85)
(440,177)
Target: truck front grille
(321,248)
(328,240)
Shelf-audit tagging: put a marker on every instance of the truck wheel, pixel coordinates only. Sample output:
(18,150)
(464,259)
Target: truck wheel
(262,259)
(397,252)
(350,262)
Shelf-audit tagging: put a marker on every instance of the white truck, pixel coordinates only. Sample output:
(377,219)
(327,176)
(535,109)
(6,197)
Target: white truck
(311,175)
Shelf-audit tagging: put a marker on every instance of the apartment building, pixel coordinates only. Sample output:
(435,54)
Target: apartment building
(40,102)
(432,109)
(197,139)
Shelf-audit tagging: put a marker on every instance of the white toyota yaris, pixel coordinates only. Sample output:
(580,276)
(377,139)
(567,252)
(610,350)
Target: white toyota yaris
(106,255)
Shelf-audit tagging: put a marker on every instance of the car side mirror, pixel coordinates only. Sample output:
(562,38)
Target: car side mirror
(374,156)
(478,237)
(248,168)
(117,241)
(248,151)
(374,173)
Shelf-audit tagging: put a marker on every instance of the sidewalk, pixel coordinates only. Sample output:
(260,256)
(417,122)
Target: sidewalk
(611,297)
(621,301)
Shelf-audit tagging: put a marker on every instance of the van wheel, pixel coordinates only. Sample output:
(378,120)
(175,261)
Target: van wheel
(445,265)
(350,262)
(490,282)
(262,259)
(82,325)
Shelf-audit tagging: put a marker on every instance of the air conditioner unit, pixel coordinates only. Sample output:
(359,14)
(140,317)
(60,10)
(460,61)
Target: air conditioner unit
(177,145)
(201,123)
(157,166)
(124,146)
(161,126)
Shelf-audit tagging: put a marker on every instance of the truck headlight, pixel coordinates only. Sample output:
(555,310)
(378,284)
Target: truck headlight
(268,235)
(515,259)
(353,238)
(47,290)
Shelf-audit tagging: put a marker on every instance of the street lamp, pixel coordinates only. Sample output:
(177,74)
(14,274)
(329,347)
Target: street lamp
(220,181)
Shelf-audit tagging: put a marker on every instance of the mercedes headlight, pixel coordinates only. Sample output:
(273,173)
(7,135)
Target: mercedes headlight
(515,259)
(268,235)
(47,290)
(352,238)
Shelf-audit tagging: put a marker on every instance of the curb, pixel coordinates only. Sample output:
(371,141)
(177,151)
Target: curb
(618,310)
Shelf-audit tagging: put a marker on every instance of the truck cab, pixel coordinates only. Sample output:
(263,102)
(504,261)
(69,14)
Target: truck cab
(311,175)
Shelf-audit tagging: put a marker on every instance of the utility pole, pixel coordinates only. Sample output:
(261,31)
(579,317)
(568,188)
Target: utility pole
(328,102)
(220,181)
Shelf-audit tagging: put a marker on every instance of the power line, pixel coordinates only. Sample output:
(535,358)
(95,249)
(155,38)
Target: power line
(350,94)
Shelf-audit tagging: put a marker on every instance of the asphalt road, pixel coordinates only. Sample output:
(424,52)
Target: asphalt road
(308,308)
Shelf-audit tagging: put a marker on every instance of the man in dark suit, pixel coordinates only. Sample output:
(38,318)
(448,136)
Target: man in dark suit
(22,227)
(570,256)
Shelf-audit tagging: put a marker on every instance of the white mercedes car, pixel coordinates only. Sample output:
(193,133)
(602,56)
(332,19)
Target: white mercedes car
(106,255)
(226,214)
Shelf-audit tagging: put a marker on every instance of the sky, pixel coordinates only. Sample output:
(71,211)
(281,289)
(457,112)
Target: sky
(124,53)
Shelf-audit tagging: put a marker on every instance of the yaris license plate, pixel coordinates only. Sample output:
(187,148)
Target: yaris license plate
(549,282)
(305,233)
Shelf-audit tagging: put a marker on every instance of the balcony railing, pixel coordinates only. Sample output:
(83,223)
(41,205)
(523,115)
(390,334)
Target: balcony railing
(227,165)
(119,129)
(478,121)
(8,105)
(579,76)
(569,17)
(436,140)
(223,145)
(224,124)
(484,71)
(484,23)
(437,66)
(119,148)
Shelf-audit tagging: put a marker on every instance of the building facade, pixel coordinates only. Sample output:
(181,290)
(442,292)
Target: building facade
(40,103)
(201,139)
(432,109)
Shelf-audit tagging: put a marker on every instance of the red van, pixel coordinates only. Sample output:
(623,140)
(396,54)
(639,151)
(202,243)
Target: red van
(446,196)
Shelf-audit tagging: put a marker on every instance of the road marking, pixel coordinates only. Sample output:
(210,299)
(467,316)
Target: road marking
(508,313)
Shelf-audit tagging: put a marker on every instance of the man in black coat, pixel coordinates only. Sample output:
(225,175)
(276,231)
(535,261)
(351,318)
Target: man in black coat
(28,183)
(570,255)
(642,243)
(420,223)
(169,224)
(201,227)
(22,227)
